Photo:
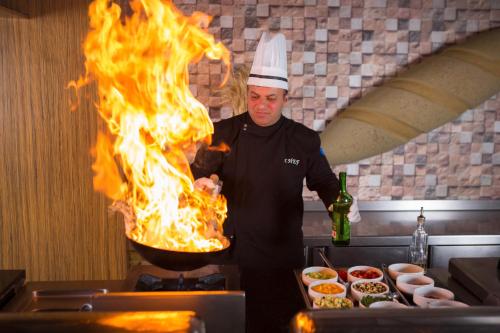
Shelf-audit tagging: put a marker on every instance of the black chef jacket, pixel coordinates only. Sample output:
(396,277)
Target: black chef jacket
(262,178)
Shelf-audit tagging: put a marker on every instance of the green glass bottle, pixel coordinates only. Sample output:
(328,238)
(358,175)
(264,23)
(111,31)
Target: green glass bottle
(341,227)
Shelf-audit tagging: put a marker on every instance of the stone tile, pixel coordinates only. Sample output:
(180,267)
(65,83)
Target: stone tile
(345,12)
(486,180)
(414,24)
(353,169)
(354,81)
(430,180)
(251,33)
(466,137)
(441,191)
(402,48)
(355,58)
(450,14)
(375,3)
(308,91)
(320,69)
(297,68)
(391,24)
(226,21)
(356,24)
(472,26)
(309,57)
(497,127)
(374,180)
(487,148)
(397,192)
(475,158)
(321,35)
(367,70)
(409,169)
(331,92)
(496,159)
(286,22)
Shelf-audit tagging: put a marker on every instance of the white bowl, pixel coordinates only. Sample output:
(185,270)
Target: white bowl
(386,304)
(347,300)
(446,304)
(352,278)
(396,270)
(361,305)
(408,283)
(307,279)
(314,294)
(357,295)
(423,295)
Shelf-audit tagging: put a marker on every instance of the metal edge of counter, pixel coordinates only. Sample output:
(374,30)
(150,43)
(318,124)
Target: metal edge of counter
(319,241)
(413,205)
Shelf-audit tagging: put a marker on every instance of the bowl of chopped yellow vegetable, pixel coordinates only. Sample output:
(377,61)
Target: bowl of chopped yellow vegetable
(330,302)
(318,273)
(326,288)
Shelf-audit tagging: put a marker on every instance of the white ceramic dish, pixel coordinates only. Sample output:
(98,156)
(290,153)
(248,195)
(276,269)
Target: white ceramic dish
(423,295)
(357,295)
(313,293)
(408,283)
(446,304)
(316,306)
(314,269)
(361,305)
(396,270)
(352,278)
(387,305)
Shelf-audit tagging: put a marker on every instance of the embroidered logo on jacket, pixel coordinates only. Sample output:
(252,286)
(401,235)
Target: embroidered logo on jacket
(292,161)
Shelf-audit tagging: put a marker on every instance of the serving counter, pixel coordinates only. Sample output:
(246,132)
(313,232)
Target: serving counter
(456,228)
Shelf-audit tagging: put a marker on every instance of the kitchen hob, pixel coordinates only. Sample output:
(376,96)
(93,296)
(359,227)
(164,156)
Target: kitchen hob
(212,292)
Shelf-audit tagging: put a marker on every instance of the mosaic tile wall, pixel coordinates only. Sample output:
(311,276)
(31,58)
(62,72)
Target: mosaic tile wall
(338,50)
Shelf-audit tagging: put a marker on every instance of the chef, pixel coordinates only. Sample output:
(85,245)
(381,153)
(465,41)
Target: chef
(262,175)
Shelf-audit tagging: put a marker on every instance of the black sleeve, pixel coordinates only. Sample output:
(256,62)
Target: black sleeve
(319,176)
(209,161)
(206,163)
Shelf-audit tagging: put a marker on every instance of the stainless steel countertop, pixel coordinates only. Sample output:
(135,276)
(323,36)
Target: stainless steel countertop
(398,218)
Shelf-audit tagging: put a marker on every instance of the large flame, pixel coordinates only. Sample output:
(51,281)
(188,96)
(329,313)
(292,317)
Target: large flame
(140,65)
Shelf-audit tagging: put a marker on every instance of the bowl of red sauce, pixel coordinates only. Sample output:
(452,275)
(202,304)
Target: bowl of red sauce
(365,273)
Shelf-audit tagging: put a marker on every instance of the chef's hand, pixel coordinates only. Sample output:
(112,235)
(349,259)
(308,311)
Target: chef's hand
(353,215)
(210,185)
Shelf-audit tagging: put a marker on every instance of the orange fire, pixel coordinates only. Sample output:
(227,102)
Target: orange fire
(140,65)
(166,321)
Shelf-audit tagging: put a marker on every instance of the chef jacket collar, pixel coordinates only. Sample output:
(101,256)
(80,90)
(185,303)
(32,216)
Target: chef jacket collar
(249,126)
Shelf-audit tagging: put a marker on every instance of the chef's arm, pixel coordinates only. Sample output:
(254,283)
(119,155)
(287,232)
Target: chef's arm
(206,162)
(320,177)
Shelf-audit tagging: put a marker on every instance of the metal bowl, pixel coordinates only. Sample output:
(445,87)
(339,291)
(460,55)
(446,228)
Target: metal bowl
(177,260)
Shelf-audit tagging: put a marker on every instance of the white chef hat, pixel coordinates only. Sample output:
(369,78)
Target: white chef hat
(269,68)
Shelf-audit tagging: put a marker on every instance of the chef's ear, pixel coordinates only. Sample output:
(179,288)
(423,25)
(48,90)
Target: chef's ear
(285,96)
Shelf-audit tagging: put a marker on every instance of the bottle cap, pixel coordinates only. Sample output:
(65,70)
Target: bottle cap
(421,217)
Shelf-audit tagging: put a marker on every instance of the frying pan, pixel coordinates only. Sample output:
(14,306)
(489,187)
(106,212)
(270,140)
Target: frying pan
(177,260)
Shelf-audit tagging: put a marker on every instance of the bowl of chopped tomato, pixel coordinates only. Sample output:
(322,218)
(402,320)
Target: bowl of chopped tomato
(366,273)
(318,273)
(319,289)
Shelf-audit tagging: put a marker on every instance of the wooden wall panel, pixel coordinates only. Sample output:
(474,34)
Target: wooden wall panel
(52,223)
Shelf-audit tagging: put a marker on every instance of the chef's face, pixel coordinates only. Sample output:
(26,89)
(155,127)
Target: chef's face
(265,104)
